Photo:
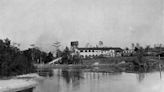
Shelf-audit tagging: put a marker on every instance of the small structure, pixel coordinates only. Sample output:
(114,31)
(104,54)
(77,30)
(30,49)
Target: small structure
(74,45)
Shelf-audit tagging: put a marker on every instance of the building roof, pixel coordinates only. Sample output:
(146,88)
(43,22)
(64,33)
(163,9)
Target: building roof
(102,48)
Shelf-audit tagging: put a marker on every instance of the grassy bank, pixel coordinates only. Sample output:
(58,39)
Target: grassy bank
(119,64)
(108,60)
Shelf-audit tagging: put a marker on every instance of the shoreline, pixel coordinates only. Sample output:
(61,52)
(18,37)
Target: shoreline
(26,81)
(111,65)
(19,83)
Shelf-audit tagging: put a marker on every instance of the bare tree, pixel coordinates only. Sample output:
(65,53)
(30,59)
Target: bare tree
(138,45)
(87,45)
(160,47)
(133,46)
(57,45)
(101,43)
(147,48)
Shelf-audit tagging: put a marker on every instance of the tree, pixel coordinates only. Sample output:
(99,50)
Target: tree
(126,48)
(147,48)
(136,49)
(58,53)
(100,43)
(7,42)
(49,57)
(133,46)
(76,59)
(57,50)
(87,45)
(21,65)
(12,60)
(66,56)
(36,55)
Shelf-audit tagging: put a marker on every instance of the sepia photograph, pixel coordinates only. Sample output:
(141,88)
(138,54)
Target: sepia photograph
(81,45)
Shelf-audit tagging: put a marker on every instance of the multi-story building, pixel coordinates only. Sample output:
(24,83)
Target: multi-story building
(96,51)
(90,52)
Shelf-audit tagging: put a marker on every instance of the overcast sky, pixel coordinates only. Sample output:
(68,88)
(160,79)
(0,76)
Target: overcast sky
(115,22)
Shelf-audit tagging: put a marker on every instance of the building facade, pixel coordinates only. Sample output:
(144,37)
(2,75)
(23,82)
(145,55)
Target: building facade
(99,51)
(91,52)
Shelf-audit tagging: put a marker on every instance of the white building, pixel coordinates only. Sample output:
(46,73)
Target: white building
(103,51)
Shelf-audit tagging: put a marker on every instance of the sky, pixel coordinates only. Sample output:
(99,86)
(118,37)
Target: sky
(117,23)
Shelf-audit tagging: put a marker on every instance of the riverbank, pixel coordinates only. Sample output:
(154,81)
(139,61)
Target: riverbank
(19,83)
(111,65)
(108,60)
(90,62)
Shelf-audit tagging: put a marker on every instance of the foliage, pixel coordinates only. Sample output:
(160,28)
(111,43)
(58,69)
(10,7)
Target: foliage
(70,58)
(66,56)
(49,57)
(38,56)
(58,53)
(14,62)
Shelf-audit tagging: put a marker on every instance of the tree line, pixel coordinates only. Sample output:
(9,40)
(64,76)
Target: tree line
(13,61)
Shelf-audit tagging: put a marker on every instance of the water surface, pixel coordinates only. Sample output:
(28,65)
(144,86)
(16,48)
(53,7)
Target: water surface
(76,80)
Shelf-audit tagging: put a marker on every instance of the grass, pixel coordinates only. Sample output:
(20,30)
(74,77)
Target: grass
(111,64)
(109,60)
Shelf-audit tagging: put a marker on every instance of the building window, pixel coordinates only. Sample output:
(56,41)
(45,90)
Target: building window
(85,50)
(81,50)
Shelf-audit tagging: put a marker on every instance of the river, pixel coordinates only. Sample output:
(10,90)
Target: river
(76,80)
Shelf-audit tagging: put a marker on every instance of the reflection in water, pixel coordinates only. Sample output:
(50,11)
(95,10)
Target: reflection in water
(76,80)
(140,77)
(160,75)
(45,72)
(27,90)
(72,76)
